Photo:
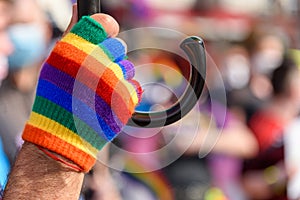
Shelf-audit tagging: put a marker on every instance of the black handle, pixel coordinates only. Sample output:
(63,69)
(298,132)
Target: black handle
(88,7)
(195,50)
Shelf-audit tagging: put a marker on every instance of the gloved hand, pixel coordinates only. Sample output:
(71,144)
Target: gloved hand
(85,94)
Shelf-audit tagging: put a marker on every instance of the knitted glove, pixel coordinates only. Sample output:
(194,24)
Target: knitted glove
(85,95)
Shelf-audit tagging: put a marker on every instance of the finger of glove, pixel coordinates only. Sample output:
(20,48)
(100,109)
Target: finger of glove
(128,69)
(96,28)
(130,98)
(115,48)
(138,89)
(123,69)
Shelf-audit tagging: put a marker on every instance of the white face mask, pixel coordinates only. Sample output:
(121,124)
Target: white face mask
(267,60)
(237,71)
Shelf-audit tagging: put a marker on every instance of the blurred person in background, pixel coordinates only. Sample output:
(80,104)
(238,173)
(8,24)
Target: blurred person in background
(267,46)
(29,33)
(265,176)
(6,48)
(248,87)
(248,68)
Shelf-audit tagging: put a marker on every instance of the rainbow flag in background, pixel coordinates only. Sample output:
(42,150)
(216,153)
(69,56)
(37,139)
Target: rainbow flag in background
(155,181)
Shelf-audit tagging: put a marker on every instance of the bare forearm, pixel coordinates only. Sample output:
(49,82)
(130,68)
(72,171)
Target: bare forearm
(37,176)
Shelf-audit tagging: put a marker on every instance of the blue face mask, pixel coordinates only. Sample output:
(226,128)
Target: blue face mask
(29,45)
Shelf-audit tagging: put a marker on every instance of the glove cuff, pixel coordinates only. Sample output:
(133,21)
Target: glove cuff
(46,140)
(58,130)
(53,143)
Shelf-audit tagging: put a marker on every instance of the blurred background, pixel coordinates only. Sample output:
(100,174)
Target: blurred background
(240,142)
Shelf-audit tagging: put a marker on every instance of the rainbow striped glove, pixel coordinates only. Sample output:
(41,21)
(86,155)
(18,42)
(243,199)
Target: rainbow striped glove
(85,95)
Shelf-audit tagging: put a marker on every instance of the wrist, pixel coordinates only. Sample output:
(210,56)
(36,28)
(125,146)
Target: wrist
(75,152)
(37,176)
(59,158)
(36,152)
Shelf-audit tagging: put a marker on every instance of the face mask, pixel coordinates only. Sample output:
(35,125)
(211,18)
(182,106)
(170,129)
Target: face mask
(237,71)
(29,45)
(267,60)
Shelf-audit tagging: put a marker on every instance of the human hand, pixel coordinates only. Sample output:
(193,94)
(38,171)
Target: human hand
(85,93)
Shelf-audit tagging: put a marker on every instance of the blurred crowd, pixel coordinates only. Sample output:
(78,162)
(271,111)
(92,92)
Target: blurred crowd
(241,140)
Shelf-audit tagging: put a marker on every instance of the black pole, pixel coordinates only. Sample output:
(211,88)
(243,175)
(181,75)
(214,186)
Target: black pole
(88,7)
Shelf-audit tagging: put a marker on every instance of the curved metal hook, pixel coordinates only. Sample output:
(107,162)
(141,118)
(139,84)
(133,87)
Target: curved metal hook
(195,50)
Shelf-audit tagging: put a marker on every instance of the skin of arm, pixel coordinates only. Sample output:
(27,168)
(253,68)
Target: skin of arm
(37,176)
